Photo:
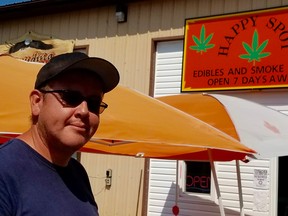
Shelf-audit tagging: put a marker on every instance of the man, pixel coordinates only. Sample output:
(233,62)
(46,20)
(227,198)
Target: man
(38,177)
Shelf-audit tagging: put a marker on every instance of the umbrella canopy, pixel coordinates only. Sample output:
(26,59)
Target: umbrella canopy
(152,129)
(258,127)
(148,127)
(17,81)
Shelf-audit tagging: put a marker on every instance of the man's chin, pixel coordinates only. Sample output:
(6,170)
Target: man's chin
(75,144)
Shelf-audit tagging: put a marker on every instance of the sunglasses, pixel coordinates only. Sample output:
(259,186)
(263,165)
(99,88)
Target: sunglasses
(70,98)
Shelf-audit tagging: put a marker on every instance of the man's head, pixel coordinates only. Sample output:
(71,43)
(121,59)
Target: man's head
(67,99)
(106,71)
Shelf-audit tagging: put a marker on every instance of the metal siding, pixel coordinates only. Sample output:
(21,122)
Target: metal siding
(127,177)
(168,68)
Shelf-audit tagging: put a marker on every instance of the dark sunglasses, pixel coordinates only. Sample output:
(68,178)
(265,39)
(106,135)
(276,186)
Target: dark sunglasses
(70,98)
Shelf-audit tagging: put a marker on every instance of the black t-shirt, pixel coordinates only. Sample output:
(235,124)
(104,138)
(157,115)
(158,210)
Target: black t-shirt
(32,186)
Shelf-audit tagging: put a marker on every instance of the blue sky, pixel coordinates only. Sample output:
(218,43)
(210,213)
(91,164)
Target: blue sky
(7,2)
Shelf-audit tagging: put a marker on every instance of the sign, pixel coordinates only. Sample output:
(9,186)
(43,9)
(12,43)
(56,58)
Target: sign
(34,47)
(237,51)
(261,178)
(260,201)
(198,183)
(198,177)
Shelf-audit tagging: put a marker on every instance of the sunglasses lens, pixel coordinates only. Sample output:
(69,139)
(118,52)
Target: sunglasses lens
(74,98)
(93,104)
(71,98)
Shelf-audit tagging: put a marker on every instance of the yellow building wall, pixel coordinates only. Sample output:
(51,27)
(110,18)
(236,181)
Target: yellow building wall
(130,47)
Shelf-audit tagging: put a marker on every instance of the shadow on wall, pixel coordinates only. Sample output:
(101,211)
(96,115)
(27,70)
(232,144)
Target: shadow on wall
(190,205)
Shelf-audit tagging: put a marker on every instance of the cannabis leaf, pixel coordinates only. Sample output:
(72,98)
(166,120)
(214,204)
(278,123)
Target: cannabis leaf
(202,43)
(254,52)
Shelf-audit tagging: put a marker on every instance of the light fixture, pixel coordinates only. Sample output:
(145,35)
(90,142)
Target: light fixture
(121,13)
(27,41)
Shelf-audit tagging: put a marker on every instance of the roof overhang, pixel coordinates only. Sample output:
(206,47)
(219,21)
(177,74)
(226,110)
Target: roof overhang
(42,7)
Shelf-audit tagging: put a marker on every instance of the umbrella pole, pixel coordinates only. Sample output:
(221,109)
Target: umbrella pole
(240,188)
(177,183)
(222,212)
(175,208)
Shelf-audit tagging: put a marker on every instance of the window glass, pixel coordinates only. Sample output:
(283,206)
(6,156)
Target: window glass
(198,177)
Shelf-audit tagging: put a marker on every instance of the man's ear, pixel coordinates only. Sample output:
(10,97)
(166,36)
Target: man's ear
(36,101)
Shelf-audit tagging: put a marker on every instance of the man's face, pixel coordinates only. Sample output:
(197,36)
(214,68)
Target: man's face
(67,128)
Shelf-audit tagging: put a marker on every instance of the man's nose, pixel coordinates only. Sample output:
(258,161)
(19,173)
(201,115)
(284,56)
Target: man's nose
(83,108)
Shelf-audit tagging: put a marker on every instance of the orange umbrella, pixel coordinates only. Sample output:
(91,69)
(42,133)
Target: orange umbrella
(258,127)
(17,81)
(148,127)
(144,127)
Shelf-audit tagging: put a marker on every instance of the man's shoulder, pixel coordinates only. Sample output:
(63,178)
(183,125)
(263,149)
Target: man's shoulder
(12,145)
(11,152)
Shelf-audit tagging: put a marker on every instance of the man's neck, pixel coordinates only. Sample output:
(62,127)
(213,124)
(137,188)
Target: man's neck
(34,140)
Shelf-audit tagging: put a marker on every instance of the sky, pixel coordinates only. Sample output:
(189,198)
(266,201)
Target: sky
(7,2)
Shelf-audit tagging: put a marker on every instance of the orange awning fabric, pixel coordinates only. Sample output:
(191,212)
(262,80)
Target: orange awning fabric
(134,124)
(258,127)
(17,81)
(150,128)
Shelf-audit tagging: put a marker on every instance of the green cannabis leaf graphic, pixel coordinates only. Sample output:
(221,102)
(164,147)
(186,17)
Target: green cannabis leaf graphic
(254,52)
(202,43)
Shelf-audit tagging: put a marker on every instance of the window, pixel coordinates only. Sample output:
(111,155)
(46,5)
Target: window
(198,177)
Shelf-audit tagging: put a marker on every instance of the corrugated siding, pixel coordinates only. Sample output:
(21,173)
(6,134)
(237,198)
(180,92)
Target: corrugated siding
(124,197)
(128,46)
(168,68)
(162,181)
